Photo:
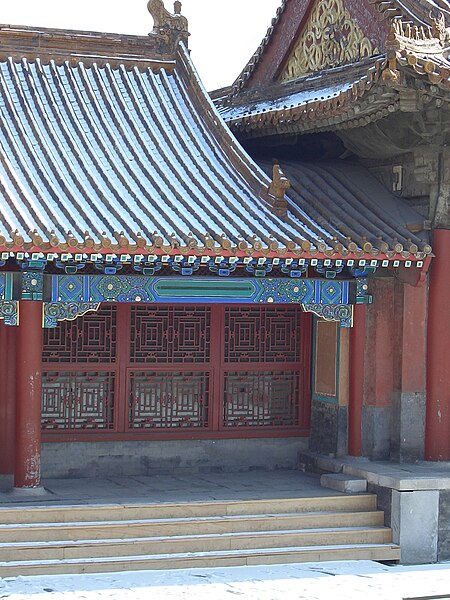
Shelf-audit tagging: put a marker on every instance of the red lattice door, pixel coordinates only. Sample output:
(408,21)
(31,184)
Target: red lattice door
(262,370)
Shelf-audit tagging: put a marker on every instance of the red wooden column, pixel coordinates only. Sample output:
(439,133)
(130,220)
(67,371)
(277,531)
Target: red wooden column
(379,373)
(356,383)
(27,473)
(7,397)
(409,399)
(437,433)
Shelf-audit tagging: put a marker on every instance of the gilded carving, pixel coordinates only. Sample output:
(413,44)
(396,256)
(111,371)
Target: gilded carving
(330,38)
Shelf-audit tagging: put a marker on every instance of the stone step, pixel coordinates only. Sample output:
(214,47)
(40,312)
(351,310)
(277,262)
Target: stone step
(83,530)
(103,538)
(343,483)
(116,512)
(194,543)
(385,552)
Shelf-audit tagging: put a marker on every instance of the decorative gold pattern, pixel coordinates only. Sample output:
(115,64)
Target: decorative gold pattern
(330,38)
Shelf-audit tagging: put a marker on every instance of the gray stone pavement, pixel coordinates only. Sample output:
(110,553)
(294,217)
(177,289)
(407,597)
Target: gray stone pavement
(251,485)
(397,476)
(258,484)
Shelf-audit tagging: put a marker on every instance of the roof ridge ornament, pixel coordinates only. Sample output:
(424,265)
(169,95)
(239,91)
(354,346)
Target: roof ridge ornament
(277,189)
(172,27)
(438,28)
(407,41)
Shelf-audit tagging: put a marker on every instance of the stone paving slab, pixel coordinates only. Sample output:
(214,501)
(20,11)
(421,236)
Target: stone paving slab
(398,476)
(251,485)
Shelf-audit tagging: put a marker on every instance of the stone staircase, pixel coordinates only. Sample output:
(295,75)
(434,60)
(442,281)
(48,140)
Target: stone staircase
(105,538)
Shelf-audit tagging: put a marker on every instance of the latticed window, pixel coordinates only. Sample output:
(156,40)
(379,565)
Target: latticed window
(79,376)
(261,366)
(185,370)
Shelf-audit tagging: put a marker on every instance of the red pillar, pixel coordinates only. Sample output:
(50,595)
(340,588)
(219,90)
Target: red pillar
(379,370)
(7,397)
(414,339)
(437,433)
(356,384)
(27,472)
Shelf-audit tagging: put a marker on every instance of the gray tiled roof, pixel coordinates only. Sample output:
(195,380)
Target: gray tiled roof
(98,156)
(105,150)
(347,202)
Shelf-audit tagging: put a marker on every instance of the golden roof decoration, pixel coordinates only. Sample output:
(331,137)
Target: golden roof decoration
(417,46)
(173,27)
(439,29)
(277,189)
(330,38)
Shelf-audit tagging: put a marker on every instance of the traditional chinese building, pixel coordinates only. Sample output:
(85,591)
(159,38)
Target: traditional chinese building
(353,98)
(168,303)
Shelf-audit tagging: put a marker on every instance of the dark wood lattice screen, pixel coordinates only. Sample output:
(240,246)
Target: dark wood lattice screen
(166,400)
(262,334)
(88,340)
(261,351)
(177,337)
(143,368)
(78,400)
(76,393)
(170,334)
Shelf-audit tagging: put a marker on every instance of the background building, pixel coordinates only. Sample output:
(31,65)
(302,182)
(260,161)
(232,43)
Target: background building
(352,98)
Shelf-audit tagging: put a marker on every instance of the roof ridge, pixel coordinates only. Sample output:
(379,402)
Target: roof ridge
(251,64)
(19,41)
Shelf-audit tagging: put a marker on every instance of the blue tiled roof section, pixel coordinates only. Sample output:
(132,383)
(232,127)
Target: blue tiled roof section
(100,150)
(122,155)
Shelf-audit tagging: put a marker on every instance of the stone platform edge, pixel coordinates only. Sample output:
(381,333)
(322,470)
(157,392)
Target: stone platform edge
(415,499)
(402,477)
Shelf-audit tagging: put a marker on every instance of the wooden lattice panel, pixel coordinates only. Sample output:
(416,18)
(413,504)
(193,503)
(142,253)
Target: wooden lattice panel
(167,400)
(168,369)
(261,399)
(91,339)
(262,334)
(77,401)
(170,334)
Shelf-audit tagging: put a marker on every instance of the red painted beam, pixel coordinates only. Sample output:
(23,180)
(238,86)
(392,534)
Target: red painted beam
(437,433)
(27,473)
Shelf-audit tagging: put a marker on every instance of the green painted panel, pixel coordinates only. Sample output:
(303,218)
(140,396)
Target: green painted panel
(206,288)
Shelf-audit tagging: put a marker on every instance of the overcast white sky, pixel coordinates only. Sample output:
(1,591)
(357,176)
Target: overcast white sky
(224,33)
